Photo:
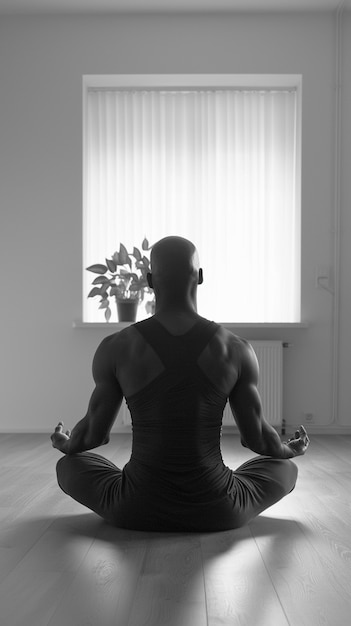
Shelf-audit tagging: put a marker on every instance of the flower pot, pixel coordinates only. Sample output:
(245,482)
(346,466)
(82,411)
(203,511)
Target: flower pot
(127,310)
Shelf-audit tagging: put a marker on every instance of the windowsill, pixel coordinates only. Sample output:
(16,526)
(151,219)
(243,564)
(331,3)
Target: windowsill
(115,326)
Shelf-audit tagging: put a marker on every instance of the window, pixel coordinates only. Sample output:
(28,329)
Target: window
(215,159)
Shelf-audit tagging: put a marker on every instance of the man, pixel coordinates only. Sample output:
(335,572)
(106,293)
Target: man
(176,371)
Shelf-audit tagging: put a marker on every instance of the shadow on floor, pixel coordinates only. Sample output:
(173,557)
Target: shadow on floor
(132,578)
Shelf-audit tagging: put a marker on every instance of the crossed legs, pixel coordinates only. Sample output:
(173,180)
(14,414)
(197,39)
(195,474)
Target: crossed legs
(91,480)
(258,484)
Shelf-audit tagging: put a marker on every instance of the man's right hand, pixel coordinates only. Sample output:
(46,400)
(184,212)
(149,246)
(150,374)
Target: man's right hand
(299,443)
(60,439)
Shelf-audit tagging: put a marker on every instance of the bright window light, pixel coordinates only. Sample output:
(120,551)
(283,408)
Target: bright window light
(218,165)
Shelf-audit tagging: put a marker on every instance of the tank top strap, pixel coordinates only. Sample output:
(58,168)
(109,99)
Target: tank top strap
(199,336)
(176,350)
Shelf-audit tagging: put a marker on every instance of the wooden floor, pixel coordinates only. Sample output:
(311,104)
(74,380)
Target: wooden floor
(60,565)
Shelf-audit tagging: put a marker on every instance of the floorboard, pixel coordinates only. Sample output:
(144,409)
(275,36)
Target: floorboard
(60,565)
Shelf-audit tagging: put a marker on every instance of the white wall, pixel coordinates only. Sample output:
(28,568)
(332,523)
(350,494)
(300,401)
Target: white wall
(45,363)
(344,388)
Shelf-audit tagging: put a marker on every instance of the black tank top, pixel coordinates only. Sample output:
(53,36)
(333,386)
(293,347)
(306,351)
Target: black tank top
(176,470)
(177,417)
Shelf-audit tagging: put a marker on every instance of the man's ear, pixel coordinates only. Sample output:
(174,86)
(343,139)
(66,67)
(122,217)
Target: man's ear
(149,280)
(201,277)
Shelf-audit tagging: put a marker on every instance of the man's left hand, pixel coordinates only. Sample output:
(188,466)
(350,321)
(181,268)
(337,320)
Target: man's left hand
(60,439)
(299,442)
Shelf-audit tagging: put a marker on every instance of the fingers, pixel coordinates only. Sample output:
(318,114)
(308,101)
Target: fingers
(300,433)
(59,430)
(304,436)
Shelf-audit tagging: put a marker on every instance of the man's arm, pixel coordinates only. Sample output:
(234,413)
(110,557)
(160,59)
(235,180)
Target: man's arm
(93,430)
(256,433)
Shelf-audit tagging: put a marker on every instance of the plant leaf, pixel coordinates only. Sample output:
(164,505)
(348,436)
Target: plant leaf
(114,290)
(98,268)
(116,259)
(104,304)
(145,244)
(111,265)
(94,292)
(104,288)
(108,314)
(146,262)
(100,280)
(123,254)
(136,253)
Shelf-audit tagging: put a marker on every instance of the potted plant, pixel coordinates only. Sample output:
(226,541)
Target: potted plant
(123,277)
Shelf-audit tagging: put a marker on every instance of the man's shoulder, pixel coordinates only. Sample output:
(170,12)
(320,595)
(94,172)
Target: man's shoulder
(228,346)
(113,343)
(230,339)
(123,342)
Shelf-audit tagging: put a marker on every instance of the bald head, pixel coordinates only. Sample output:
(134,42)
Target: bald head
(175,264)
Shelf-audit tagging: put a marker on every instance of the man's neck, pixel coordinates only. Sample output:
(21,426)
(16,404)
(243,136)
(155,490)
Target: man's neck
(177,315)
(177,321)
(176,309)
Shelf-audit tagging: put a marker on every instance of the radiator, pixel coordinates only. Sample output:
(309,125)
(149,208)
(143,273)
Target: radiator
(270,359)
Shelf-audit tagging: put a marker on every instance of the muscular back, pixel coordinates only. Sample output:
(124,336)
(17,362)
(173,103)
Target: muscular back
(137,364)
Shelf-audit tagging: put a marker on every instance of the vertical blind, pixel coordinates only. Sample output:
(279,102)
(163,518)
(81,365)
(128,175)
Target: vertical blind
(215,166)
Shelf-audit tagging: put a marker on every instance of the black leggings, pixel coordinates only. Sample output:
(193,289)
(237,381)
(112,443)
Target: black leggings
(257,484)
